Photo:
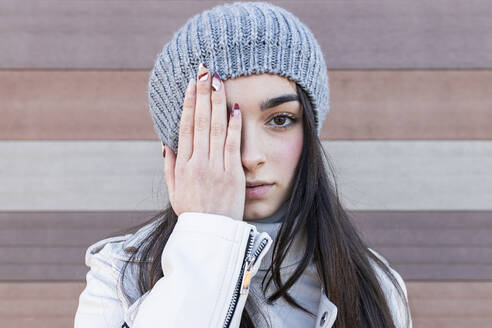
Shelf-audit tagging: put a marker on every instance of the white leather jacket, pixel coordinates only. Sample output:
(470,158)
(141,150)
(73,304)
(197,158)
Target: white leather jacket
(207,263)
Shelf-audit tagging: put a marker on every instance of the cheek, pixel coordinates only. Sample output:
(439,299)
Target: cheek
(287,154)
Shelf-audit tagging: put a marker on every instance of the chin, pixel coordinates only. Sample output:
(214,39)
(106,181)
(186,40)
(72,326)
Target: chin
(258,210)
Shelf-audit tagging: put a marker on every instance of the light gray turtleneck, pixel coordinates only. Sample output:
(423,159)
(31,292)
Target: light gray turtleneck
(306,291)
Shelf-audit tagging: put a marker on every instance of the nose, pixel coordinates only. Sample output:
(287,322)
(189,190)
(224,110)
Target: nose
(252,153)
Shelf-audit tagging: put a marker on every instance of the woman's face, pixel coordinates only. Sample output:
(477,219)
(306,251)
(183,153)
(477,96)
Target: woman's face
(272,138)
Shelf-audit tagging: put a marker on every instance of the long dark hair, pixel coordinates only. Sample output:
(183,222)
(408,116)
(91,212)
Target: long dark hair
(333,243)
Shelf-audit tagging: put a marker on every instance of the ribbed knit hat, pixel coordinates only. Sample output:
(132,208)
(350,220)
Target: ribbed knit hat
(235,39)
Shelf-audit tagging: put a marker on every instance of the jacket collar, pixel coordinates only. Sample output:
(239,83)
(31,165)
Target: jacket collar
(133,242)
(271,225)
(295,253)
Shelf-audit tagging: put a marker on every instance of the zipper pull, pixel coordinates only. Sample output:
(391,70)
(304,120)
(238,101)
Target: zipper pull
(247,276)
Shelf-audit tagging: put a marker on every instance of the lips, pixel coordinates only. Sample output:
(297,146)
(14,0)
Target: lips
(258,191)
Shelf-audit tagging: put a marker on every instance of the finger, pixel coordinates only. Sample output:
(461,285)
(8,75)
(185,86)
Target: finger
(185,142)
(218,126)
(169,165)
(202,114)
(232,151)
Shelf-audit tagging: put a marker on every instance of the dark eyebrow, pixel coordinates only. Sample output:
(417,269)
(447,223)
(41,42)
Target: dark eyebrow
(277,101)
(273,102)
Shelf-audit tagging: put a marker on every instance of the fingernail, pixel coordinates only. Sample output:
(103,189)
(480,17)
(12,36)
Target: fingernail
(235,111)
(216,82)
(202,72)
(164,152)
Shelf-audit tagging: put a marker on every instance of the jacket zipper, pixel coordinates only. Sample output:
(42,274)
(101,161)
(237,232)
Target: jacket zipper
(244,279)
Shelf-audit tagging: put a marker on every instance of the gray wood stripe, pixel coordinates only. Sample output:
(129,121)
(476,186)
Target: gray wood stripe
(423,245)
(128,175)
(109,34)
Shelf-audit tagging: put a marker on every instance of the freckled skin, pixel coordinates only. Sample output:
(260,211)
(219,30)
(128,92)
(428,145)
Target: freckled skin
(268,152)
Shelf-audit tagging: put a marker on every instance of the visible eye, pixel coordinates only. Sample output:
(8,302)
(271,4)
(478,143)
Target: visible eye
(281,119)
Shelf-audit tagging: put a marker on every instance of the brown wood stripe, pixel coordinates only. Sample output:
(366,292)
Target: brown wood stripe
(39,304)
(72,105)
(452,304)
(112,105)
(120,35)
(420,245)
(417,105)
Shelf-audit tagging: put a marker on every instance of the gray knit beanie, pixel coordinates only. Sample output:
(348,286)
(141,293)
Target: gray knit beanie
(235,39)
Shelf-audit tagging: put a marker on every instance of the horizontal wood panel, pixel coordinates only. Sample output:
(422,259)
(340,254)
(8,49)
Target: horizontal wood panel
(377,105)
(68,105)
(83,175)
(128,175)
(353,34)
(416,105)
(435,245)
(451,304)
(39,304)
(62,239)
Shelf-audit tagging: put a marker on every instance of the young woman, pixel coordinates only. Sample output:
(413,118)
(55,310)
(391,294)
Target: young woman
(254,235)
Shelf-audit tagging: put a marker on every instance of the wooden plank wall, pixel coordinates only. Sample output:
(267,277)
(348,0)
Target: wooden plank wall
(409,133)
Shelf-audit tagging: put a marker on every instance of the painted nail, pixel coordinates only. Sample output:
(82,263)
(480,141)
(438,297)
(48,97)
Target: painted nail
(164,152)
(235,111)
(216,82)
(203,72)
(203,76)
